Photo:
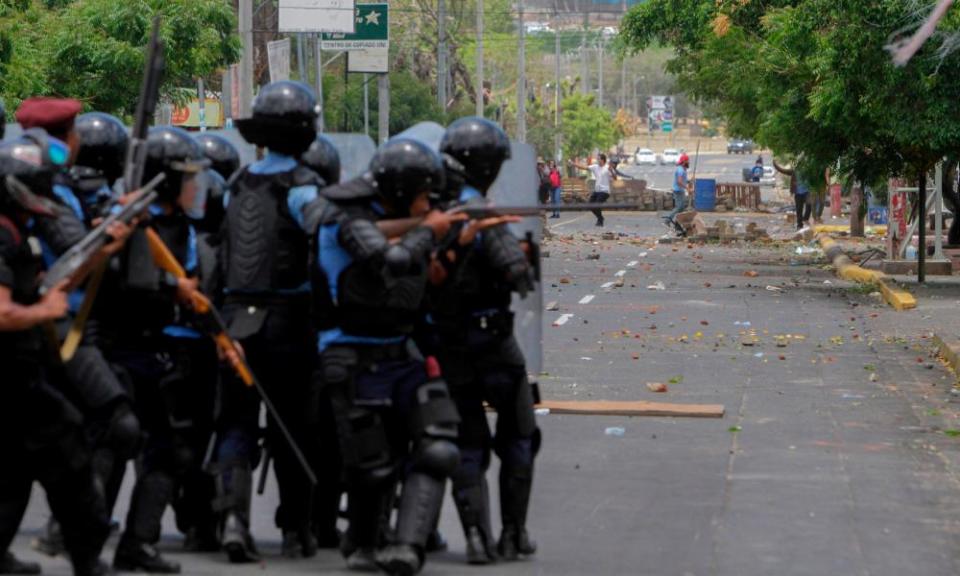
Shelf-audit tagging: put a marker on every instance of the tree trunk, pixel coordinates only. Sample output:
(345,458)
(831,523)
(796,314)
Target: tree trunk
(856,218)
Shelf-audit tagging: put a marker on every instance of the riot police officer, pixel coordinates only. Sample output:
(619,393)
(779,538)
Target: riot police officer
(394,416)
(263,259)
(481,358)
(323,158)
(40,429)
(224,162)
(146,326)
(92,385)
(101,153)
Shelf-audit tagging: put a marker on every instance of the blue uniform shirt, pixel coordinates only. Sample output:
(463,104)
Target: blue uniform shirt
(333,259)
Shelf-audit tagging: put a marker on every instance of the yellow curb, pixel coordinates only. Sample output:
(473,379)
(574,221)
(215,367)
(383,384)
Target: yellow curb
(949,351)
(880,230)
(896,297)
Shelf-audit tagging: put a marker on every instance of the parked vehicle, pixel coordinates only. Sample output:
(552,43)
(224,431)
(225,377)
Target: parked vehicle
(645,156)
(739,146)
(670,156)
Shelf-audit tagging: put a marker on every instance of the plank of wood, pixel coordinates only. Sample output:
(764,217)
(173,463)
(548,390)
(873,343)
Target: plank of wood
(633,408)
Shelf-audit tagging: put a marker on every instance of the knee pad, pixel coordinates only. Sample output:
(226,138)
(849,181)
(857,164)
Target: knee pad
(366,450)
(437,457)
(125,433)
(435,414)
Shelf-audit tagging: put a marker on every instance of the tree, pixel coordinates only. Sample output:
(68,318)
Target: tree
(585,126)
(94,50)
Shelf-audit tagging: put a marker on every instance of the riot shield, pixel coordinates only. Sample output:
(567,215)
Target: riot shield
(429,133)
(355,150)
(517,185)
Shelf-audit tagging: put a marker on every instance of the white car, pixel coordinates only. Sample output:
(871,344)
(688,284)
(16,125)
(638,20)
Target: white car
(645,156)
(670,156)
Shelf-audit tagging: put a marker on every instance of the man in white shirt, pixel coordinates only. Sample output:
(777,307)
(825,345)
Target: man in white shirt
(603,175)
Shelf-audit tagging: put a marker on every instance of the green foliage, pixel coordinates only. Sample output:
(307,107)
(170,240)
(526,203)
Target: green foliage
(94,50)
(410,102)
(585,126)
(798,77)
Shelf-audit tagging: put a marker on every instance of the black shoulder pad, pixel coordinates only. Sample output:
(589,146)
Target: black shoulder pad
(304,176)
(235,176)
(362,239)
(357,189)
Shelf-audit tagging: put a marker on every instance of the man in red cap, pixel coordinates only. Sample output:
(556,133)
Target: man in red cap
(55,115)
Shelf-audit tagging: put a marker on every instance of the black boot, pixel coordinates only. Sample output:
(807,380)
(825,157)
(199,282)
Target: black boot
(199,539)
(515,486)
(474,508)
(400,560)
(234,486)
(142,557)
(237,541)
(436,542)
(299,543)
(50,542)
(9,564)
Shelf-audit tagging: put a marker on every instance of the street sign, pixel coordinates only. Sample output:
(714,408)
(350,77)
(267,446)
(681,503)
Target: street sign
(371,30)
(189,115)
(278,59)
(372,60)
(316,16)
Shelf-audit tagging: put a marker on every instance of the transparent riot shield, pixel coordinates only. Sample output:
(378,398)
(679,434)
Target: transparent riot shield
(517,185)
(429,133)
(355,150)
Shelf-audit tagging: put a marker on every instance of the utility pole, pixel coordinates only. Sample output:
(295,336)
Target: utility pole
(320,121)
(584,71)
(480,58)
(383,117)
(623,68)
(600,73)
(522,79)
(202,104)
(442,54)
(245,27)
(301,56)
(366,104)
(556,81)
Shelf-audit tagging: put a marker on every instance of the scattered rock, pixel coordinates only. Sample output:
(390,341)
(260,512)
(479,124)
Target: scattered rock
(656,386)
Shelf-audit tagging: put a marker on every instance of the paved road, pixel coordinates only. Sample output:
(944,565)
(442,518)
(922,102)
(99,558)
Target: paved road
(719,166)
(832,458)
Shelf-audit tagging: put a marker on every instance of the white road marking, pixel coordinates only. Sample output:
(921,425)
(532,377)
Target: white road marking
(564,223)
(562,319)
(607,285)
(587,299)
(631,263)
(620,273)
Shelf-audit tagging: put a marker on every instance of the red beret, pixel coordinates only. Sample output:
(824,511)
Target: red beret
(48,113)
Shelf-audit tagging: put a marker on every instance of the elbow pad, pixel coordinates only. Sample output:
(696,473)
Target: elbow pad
(408,256)
(505,255)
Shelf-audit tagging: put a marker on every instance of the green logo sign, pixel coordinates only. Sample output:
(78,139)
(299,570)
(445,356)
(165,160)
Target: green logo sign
(371,26)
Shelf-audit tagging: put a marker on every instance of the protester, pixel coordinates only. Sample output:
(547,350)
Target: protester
(602,175)
(556,189)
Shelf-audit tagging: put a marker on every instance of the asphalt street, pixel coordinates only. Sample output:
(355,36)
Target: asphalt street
(720,166)
(837,455)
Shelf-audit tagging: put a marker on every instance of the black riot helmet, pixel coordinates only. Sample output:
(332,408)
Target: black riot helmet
(403,169)
(174,152)
(456,177)
(323,158)
(223,155)
(33,161)
(284,118)
(480,145)
(103,142)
